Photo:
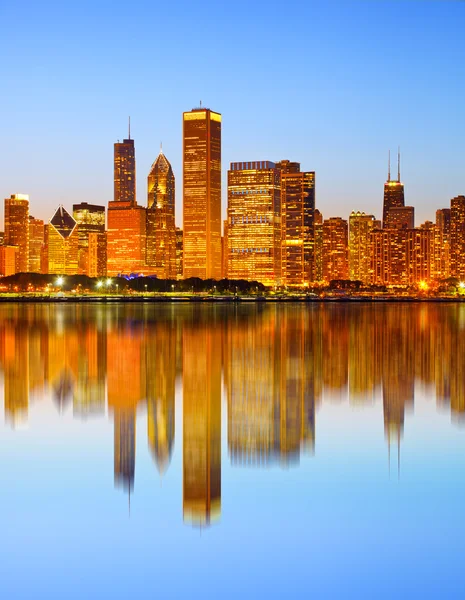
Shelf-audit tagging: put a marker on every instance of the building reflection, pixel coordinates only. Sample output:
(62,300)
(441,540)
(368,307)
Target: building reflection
(202,360)
(275,364)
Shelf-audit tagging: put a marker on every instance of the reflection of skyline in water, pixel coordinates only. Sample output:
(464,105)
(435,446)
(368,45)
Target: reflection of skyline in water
(276,363)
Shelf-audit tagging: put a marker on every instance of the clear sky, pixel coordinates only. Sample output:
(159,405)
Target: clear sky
(330,83)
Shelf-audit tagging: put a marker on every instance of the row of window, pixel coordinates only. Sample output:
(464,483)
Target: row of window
(250,219)
(247,250)
(242,192)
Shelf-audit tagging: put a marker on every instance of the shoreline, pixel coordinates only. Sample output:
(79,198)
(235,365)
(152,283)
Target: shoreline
(120,299)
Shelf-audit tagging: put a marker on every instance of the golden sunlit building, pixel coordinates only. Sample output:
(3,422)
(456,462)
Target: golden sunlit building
(8,260)
(318,236)
(36,242)
(400,217)
(388,255)
(224,249)
(254,222)
(15,355)
(201,423)
(360,228)
(161,228)
(298,241)
(90,219)
(202,193)
(126,238)
(442,244)
(17,229)
(335,249)
(457,237)
(61,244)
(419,255)
(179,252)
(97,254)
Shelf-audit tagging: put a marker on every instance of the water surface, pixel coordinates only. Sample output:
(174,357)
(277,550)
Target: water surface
(232,451)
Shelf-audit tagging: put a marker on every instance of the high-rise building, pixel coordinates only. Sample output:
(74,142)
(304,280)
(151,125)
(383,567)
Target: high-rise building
(400,217)
(224,250)
(8,260)
(360,227)
(90,219)
(297,222)
(125,171)
(36,242)
(97,255)
(457,237)
(254,222)
(419,254)
(442,244)
(61,244)
(202,193)
(393,192)
(179,252)
(335,249)
(161,228)
(126,238)
(17,228)
(388,255)
(318,235)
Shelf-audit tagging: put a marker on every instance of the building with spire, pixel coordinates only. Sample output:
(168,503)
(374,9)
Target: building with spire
(161,227)
(61,243)
(202,193)
(127,222)
(393,192)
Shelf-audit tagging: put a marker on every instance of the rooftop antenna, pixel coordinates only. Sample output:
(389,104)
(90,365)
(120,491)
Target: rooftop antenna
(129,128)
(161,147)
(398,164)
(200,103)
(389,166)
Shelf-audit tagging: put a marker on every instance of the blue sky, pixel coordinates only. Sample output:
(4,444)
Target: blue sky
(333,84)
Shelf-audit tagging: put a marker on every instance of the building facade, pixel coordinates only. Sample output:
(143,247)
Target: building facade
(457,237)
(90,219)
(161,227)
(202,193)
(254,222)
(335,249)
(36,242)
(361,226)
(442,244)
(97,254)
(61,244)
(125,171)
(298,216)
(17,229)
(126,239)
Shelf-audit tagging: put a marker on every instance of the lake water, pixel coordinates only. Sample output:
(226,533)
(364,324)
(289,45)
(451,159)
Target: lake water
(258,451)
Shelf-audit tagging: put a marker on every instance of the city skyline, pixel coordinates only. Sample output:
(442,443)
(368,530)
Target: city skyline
(340,126)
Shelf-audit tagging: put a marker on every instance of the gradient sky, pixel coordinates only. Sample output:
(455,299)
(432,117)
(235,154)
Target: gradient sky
(330,83)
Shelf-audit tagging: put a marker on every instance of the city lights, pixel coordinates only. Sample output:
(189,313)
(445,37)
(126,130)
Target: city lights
(60,281)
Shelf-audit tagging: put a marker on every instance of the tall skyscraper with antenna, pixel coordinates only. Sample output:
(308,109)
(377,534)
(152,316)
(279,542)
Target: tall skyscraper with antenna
(393,191)
(125,170)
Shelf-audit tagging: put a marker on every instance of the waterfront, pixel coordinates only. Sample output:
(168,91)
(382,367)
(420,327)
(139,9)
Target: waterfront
(237,450)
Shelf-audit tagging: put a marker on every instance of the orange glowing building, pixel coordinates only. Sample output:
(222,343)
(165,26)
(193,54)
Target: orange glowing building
(457,237)
(161,228)
(126,238)
(8,260)
(442,244)
(90,219)
(202,193)
(97,254)
(297,222)
(61,244)
(393,193)
(254,222)
(17,229)
(125,171)
(36,242)
(360,228)
(335,249)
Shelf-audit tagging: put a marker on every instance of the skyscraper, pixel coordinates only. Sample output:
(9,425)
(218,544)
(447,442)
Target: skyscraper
(97,254)
(457,237)
(360,228)
(17,228)
(161,228)
(335,249)
(36,242)
(127,222)
(318,235)
(90,219)
(400,217)
(254,222)
(202,193)
(61,244)
(125,171)
(393,192)
(442,244)
(179,252)
(297,221)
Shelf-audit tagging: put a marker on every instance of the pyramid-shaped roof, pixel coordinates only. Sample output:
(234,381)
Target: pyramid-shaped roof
(63,222)
(161,164)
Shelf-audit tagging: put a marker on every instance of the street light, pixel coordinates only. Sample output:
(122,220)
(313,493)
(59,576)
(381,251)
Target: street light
(172,288)
(145,288)
(99,284)
(60,281)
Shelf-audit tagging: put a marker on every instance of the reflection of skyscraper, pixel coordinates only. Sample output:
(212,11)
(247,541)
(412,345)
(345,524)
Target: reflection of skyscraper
(201,423)
(125,448)
(16,374)
(202,193)
(161,376)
